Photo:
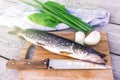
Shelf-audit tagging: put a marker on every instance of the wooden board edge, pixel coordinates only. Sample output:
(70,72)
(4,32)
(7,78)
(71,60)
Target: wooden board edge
(24,51)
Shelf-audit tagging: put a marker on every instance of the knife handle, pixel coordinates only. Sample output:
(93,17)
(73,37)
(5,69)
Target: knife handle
(27,64)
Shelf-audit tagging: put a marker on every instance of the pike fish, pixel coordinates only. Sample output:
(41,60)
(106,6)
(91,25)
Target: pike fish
(60,45)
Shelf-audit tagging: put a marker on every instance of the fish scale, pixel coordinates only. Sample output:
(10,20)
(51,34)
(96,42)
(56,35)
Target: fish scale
(62,46)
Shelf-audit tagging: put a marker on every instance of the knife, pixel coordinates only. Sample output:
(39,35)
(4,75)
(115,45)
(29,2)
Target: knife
(54,64)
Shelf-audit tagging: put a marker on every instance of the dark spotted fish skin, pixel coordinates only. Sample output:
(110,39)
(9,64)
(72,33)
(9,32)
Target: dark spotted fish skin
(62,46)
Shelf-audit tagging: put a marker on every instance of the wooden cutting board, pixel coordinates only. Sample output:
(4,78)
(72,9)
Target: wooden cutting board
(50,74)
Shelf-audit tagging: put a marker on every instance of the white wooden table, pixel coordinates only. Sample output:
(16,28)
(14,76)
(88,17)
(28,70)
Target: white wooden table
(11,46)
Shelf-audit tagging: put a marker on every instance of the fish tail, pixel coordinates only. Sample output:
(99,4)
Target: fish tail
(15,30)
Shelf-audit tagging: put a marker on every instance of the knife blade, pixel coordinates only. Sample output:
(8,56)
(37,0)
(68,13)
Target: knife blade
(54,64)
(76,64)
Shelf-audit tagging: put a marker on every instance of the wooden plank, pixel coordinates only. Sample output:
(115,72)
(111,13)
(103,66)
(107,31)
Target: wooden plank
(113,32)
(6,4)
(109,28)
(45,74)
(24,52)
(88,3)
(116,66)
(109,5)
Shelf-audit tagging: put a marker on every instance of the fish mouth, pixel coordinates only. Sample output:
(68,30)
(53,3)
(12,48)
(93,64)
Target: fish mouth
(102,55)
(97,58)
(99,61)
(102,61)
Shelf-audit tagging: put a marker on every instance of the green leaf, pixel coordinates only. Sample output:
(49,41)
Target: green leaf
(51,3)
(57,13)
(44,20)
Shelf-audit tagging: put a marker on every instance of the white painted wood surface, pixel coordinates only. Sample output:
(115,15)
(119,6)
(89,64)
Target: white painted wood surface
(11,46)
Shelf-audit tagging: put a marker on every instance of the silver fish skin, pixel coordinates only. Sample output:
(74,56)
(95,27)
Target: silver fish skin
(62,46)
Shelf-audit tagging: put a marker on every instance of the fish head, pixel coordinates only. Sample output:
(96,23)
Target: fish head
(95,58)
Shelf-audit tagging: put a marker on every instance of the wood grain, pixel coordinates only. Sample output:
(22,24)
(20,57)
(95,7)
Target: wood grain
(27,64)
(112,5)
(116,66)
(25,48)
(46,74)
(108,5)
(113,32)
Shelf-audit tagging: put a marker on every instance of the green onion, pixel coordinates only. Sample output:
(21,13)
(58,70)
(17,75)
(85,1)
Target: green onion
(59,12)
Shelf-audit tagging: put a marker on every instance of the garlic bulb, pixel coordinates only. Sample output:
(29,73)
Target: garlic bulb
(79,37)
(93,38)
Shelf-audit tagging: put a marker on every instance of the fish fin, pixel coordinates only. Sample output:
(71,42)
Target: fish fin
(39,44)
(64,53)
(15,31)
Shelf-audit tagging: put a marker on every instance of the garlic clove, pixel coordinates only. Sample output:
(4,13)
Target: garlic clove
(79,37)
(93,38)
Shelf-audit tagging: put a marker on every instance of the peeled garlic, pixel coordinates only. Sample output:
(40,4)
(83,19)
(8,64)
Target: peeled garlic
(93,38)
(79,37)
